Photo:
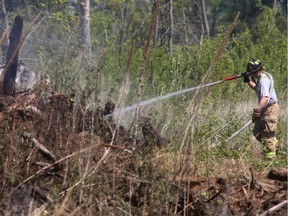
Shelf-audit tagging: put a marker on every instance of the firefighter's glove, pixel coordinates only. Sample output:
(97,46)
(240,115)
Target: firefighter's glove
(245,76)
(255,115)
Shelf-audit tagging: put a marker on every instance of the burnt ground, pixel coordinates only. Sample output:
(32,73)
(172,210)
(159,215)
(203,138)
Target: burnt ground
(57,159)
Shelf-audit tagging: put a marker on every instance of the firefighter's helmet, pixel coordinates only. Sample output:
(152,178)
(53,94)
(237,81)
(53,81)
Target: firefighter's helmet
(254,65)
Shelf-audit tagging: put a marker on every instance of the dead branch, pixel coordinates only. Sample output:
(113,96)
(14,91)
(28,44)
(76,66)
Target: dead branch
(41,148)
(254,184)
(49,166)
(41,164)
(215,195)
(114,146)
(34,110)
(90,172)
(225,39)
(37,192)
(3,37)
(24,101)
(245,193)
(275,208)
(268,187)
(193,180)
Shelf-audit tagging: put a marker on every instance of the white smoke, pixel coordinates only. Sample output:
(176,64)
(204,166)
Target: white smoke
(25,79)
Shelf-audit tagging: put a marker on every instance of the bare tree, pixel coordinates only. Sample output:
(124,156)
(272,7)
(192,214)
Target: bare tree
(156,29)
(123,11)
(205,18)
(8,5)
(3,31)
(185,32)
(171,26)
(165,25)
(10,71)
(85,29)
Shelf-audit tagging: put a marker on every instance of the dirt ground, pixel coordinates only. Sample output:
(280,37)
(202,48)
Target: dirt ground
(55,156)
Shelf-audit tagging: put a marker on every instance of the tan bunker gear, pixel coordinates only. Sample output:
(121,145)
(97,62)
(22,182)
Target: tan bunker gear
(266,126)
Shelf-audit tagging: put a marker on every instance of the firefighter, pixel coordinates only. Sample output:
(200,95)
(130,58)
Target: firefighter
(265,116)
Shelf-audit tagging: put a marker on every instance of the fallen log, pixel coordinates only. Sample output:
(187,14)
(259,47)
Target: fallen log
(41,148)
(279,174)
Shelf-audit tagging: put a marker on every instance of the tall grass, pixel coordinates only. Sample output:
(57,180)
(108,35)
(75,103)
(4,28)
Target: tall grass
(196,125)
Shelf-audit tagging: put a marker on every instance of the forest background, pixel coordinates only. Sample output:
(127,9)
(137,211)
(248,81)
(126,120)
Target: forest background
(130,51)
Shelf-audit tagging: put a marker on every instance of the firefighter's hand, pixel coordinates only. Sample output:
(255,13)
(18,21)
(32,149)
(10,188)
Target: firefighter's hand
(255,115)
(245,76)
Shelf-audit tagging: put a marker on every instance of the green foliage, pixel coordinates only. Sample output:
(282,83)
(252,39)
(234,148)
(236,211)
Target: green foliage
(264,38)
(101,27)
(186,67)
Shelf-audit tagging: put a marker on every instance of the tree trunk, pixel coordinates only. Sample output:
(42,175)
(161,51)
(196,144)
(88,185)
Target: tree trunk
(171,25)
(85,29)
(122,26)
(3,32)
(164,24)
(12,57)
(8,5)
(205,18)
(184,23)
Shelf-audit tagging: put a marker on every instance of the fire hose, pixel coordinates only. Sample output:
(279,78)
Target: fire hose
(249,122)
(119,112)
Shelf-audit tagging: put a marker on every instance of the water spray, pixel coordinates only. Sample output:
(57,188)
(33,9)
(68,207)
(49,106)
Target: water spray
(159,98)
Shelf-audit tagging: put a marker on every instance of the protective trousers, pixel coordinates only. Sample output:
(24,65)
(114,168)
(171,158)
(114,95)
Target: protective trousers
(266,126)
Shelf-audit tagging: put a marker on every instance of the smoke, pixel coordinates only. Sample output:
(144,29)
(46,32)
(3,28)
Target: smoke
(25,79)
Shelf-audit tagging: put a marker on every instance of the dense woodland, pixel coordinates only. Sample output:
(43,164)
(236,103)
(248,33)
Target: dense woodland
(118,107)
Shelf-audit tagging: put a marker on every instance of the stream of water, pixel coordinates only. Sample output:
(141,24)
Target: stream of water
(157,99)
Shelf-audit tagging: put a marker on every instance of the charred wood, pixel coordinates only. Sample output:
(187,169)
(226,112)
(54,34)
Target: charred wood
(279,174)
(12,57)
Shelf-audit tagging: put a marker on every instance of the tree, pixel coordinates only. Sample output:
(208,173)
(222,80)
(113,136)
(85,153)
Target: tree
(164,25)
(3,31)
(85,29)
(12,57)
(171,25)
(205,17)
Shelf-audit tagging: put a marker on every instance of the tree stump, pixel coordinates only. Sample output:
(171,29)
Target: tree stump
(10,70)
(279,174)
